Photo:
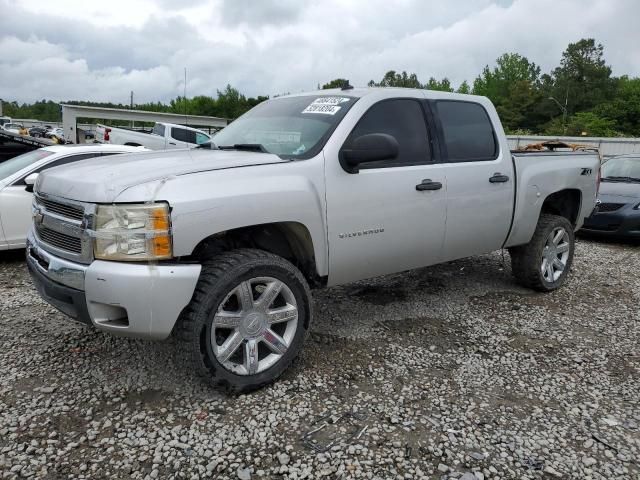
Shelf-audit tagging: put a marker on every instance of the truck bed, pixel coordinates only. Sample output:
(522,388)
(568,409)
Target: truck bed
(572,171)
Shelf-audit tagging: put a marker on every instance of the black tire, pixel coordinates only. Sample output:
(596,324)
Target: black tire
(526,259)
(220,275)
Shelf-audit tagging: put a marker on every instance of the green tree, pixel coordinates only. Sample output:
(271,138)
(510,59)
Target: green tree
(510,68)
(336,83)
(443,85)
(583,78)
(231,103)
(624,109)
(464,88)
(394,79)
(513,86)
(585,123)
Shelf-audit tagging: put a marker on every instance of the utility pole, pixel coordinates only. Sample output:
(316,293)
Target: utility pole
(132,122)
(184,97)
(564,111)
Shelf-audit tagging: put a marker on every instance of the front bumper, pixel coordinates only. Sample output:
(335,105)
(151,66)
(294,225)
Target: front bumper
(623,223)
(135,300)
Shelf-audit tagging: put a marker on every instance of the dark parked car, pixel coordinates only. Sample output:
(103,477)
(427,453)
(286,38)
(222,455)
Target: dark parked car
(38,131)
(618,210)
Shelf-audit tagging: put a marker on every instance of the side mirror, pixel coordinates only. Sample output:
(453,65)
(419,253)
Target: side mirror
(30,181)
(373,147)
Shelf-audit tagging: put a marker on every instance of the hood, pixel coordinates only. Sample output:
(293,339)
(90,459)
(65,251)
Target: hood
(102,179)
(619,192)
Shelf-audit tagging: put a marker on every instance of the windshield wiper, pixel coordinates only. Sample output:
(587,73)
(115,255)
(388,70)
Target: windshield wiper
(250,147)
(621,179)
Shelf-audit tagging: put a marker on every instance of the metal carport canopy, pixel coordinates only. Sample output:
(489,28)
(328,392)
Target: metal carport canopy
(71,113)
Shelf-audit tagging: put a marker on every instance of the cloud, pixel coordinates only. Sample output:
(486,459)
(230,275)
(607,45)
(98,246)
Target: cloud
(271,47)
(264,12)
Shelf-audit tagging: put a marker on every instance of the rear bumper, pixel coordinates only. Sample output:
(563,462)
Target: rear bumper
(621,223)
(134,300)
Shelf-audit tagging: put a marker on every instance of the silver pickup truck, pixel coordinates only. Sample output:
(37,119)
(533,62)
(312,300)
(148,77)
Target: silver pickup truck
(221,245)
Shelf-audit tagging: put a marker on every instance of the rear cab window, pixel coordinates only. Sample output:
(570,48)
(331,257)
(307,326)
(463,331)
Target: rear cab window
(158,129)
(467,131)
(183,135)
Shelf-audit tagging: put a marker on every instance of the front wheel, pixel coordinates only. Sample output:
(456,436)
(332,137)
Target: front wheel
(544,263)
(247,320)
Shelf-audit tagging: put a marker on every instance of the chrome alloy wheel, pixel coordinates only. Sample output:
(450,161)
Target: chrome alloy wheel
(254,325)
(555,254)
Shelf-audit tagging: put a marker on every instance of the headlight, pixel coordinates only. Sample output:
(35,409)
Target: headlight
(132,232)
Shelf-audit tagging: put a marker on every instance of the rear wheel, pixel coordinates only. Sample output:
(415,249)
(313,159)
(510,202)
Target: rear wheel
(544,263)
(247,320)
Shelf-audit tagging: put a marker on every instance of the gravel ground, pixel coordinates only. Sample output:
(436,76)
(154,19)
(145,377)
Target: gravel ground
(446,372)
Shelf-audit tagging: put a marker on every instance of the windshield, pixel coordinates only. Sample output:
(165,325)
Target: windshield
(292,127)
(622,167)
(16,164)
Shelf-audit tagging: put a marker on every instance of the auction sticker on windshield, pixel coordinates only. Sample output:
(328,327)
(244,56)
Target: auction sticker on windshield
(325,105)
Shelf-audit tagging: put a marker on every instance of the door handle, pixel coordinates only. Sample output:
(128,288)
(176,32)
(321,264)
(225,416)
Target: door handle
(427,184)
(171,143)
(499,178)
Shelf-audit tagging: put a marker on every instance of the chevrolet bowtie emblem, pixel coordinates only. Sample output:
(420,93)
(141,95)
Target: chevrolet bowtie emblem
(38,217)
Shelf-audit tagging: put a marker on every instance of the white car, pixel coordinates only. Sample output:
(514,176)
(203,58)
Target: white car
(55,132)
(12,127)
(18,175)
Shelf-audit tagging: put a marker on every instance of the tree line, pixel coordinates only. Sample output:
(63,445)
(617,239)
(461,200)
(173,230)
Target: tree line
(578,97)
(229,103)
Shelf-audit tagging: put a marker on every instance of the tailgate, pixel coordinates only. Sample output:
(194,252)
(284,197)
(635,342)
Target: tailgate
(100,134)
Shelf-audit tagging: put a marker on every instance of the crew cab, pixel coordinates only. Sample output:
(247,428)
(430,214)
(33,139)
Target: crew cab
(164,136)
(221,245)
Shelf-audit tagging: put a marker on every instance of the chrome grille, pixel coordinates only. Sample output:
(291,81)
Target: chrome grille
(64,210)
(60,240)
(60,227)
(610,207)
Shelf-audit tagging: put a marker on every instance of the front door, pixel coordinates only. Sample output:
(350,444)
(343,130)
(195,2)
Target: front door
(379,222)
(480,180)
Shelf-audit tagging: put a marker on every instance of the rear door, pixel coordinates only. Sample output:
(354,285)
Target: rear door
(378,221)
(480,178)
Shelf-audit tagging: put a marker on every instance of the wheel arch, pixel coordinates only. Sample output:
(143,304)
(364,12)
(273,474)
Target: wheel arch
(565,203)
(288,239)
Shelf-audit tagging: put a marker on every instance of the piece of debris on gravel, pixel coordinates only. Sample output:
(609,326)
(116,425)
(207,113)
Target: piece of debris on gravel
(450,372)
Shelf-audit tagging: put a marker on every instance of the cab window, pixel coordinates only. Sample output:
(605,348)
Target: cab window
(467,130)
(183,135)
(403,119)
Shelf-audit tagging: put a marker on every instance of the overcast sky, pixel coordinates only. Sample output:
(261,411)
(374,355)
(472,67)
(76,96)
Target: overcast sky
(101,50)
